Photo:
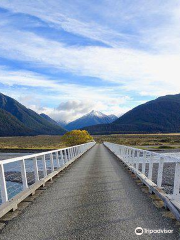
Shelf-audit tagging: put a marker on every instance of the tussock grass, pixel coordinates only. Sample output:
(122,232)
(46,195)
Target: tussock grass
(144,141)
(154,141)
(34,143)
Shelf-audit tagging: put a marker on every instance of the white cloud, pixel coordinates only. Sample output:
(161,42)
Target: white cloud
(133,69)
(62,15)
(73,109)
(149,23)
(71,100)
(144,58)
(67,90)
(137,70)
(74,105)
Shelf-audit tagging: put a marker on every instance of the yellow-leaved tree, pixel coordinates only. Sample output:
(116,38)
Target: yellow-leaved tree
(76,137)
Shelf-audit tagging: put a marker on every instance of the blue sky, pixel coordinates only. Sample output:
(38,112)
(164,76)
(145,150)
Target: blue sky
(66,58)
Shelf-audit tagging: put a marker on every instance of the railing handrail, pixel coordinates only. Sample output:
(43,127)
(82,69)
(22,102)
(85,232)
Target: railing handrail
(168,158)
(10,160)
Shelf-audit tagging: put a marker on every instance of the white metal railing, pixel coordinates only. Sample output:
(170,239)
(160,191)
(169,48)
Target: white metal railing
(18,174)
(143,162)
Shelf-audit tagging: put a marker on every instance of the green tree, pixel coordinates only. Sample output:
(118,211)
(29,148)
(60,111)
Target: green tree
(76,137)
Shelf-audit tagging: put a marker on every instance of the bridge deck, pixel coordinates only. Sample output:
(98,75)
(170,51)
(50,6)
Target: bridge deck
(95,198)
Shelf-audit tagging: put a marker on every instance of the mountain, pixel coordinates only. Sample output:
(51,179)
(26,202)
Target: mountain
(62,123)
(159,115)
(28,118)
(48,118)
(92,118)
(11,126)
(59,123)
(112,117)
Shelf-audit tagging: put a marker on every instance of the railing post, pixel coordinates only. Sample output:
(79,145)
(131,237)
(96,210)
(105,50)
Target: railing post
(144,163)
(120,151)
(57,159)
(160,172)
(150,167)
(82,149)
(115,149)
(130,158)
(133,157)
(69,154)
(23,175)
(123,154)
(138,159)
(51,162)
(73,152)
(65,155)
(36,169)
(127,155)
(4,194)
(176,195)
(62,157)
(79,151)
(44,165)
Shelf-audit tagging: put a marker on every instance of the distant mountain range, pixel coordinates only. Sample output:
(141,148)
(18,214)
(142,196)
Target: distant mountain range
(62,123)
(159,115)
(92,118)
(16,119)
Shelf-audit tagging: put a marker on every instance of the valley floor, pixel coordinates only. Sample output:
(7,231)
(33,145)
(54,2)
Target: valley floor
(29,144)
(155,142)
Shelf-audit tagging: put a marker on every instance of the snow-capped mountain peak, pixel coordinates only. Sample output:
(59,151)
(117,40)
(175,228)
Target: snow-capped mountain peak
(96,113)
(92,118)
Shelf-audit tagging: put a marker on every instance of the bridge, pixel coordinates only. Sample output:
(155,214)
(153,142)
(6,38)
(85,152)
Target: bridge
(89,191)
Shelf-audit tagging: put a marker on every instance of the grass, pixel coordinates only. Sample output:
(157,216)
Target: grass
(31,143)
(144,141)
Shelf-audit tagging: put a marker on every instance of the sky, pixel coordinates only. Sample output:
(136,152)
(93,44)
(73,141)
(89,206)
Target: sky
(68,57)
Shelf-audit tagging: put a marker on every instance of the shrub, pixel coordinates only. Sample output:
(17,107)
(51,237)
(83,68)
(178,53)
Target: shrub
(76,137)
